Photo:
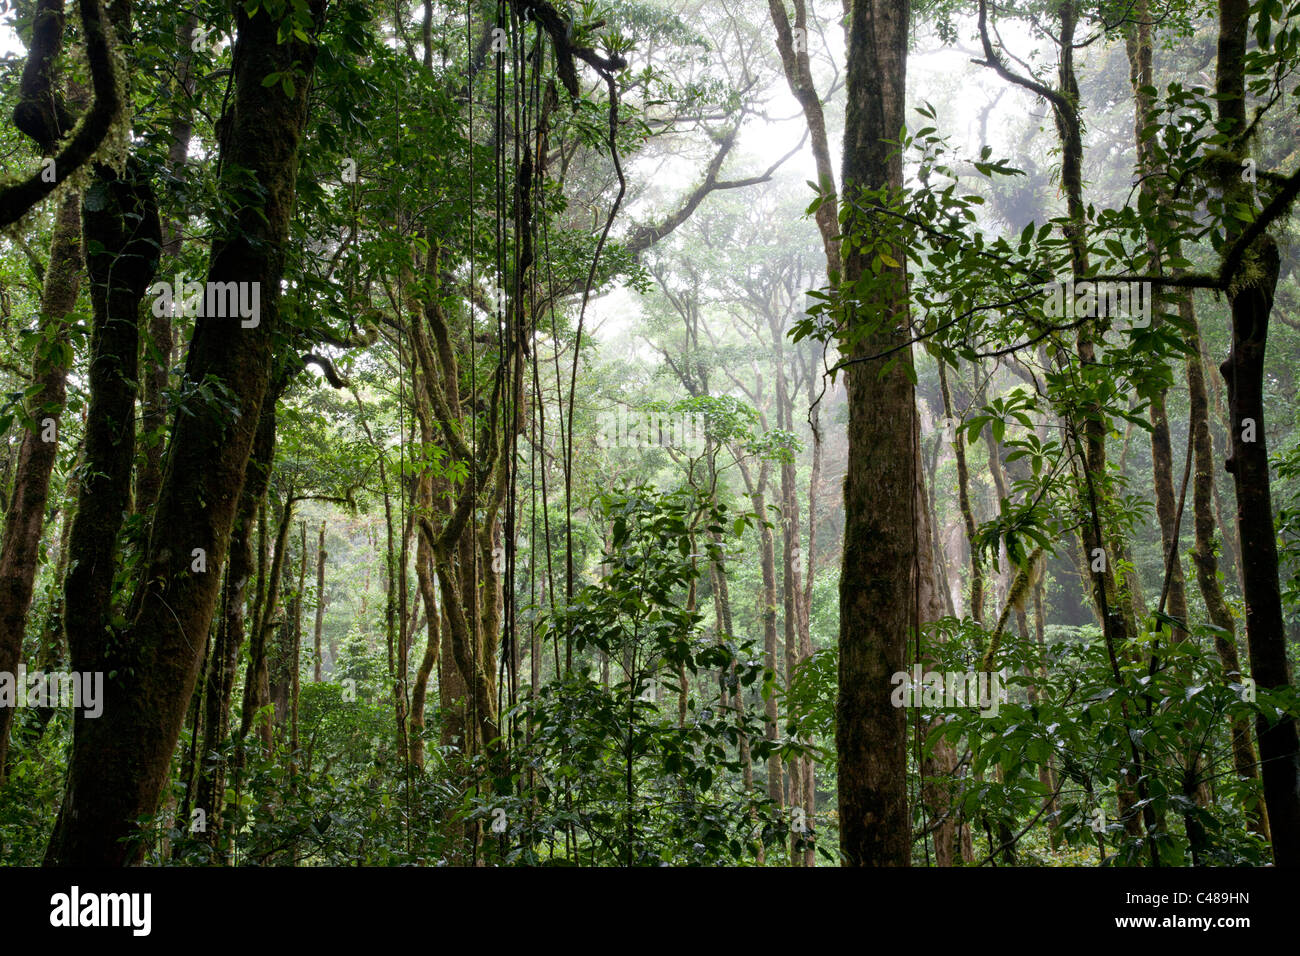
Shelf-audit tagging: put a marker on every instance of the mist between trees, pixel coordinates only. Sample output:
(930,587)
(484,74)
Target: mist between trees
(649,433)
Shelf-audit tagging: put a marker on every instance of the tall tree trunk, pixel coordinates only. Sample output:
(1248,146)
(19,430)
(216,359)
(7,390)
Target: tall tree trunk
(791,590)
(810,562)
(120,761)
(432,647)
(424,582)
(321,555)
(964,502)
(767,614)
(451,696)
(792,45)
(122,236)
(25,519)
(1141,76)
(257,677)
(470,591)
(880,484)
(1203,556)
(156,356)
(297,658)
(1251,299)
(942,763)
(1227,529)
(230,631)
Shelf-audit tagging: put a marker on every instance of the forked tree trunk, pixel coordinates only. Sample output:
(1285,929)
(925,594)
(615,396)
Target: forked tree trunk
(1204,558)
(156,355)
(120,761)
(230,631)
(428,595)
(257,679)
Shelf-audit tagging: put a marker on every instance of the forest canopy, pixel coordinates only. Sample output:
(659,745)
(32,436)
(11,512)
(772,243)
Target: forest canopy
(649,432)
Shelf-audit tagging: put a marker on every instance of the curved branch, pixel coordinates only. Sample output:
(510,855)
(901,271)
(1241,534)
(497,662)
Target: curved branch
(560,31)
(17,200)
(645,236)
(327,367)
(40,112)
(992,60)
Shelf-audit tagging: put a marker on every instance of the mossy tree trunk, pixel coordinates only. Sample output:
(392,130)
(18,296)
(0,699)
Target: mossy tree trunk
(1251,299)
(120,761)
(25,519)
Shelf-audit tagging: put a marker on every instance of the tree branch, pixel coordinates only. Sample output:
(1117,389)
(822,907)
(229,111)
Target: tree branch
(17,200)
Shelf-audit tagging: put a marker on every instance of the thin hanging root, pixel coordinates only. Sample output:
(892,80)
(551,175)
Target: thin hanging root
(1021,587)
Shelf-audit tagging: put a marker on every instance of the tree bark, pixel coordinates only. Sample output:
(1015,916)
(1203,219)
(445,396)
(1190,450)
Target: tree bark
(424,582)
(1203,556)
(880,484)
(25,519)
(942,763)
(296,665)
(156,355)
(1141,75)
(257,678)
(810,562)
(230,634)
(1251,297)
(120,761)
(964,502)
(321,555)
(793,48)
(767,614)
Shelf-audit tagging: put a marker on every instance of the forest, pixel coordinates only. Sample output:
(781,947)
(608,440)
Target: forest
(627,433)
